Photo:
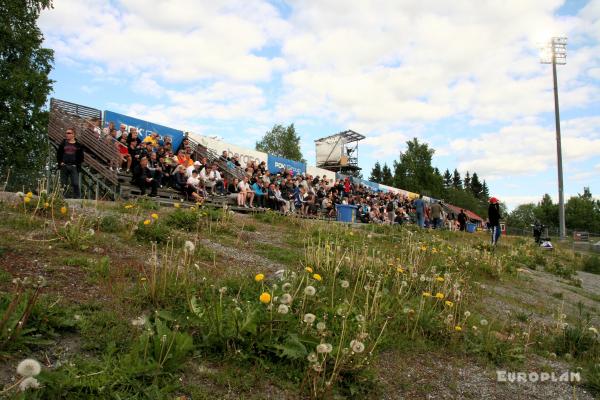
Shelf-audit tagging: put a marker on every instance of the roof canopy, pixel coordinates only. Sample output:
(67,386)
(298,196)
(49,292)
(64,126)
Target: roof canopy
(348,136)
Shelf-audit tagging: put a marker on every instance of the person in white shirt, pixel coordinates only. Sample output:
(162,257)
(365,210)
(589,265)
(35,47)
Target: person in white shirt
(194,166)
(215,181)
(193,186)
(247,192)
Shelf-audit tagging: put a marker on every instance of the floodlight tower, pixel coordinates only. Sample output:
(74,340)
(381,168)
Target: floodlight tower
(555,52)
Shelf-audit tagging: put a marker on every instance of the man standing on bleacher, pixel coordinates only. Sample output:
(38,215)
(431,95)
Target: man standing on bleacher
(70,157)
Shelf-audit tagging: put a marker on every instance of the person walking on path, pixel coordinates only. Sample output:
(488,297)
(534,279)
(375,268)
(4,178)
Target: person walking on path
(494,218)
(70,157)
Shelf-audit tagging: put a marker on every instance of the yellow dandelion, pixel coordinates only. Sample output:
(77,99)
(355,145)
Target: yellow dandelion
(29,194)
(259,277)
(128,206)
(351,233)
(27,199)
(426,294)
(147,222)
(309,270)
(400,270)
(439,279)
(423,248)
(317,277)
(176,205)
(192,208)
(449,303)
(434,250)
(63,210)
(439,295)
(265,298)
(154,215)
(458,328)
(142,279)
(46,205)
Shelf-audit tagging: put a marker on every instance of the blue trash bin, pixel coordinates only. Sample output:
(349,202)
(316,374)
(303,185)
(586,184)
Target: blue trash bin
(471,227)
(346,213)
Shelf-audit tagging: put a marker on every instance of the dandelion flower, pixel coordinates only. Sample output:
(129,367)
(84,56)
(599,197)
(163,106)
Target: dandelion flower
(426,294)
(147,222)
(467,314)
(439,295)
(29,367)
(20,194)
(357,346)
(46,205)
(176,205)
(317,277)
(344,284)
(439,279)
(309,270)
(189,246)
(449,303)
(400,270)
(324,348)
(317,367)
(286,298)
(223,290)
(283,309)
(139,321)
(403,283)
(265,298)
(310,291)
(458,328)
(309,318)
(286,286)
(360,318)
(321,326)
(29,383)
(483,322)
(29,194)
(259,277)
(423,248)
(312,357)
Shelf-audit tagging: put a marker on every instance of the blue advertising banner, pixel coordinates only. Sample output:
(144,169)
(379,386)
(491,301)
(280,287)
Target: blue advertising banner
(276,164)
(144,127)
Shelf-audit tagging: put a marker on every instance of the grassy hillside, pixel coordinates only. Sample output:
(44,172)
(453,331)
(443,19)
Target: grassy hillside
(134,301)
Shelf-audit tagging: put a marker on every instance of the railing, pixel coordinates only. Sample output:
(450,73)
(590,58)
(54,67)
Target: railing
(201,151)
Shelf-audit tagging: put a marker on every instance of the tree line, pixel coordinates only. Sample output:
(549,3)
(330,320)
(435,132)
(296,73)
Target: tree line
(414,172)
(582,212)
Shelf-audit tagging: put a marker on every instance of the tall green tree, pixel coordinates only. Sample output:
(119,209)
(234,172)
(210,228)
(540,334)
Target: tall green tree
(281,141)
(376,173)
(456,180)
(447,179)
(522,217)
(467,182)
(485,191)
(24,88)
(583,212)
(476,186)
(413,170)
(547,211)
(386,175)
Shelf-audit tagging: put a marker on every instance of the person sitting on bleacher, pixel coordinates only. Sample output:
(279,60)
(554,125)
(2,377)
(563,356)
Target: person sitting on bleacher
(134,153)
(195,166)
(215,181)
(124,152)
(180,179)
(121,132)
(133,136)
(152,138)
(143,178)
(154,166)
(194,187)
(282,204)
(224,156)
(167,164)
(246,193)
(259,193)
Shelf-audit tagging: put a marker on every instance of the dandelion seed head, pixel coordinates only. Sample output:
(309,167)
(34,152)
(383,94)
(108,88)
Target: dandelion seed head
(321,326)
(29,383)
(309,318)
(286,298)
(357,346)
(344,284)
(283,309)
(310,291)
(29,367)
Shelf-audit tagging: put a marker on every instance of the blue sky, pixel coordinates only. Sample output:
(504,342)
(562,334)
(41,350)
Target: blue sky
(463,76)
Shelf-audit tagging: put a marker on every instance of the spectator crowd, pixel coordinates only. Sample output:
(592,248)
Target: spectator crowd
(153,163)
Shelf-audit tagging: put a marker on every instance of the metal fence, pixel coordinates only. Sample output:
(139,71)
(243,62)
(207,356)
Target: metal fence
(581,241)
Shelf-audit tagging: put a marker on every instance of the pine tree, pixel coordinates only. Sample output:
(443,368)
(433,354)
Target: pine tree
(485,191)
(376,173)
(447,179)
(476,186)
(456,181)
(467,182)
(386,175)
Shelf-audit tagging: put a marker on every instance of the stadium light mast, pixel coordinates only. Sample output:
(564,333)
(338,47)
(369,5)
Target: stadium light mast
(555,52)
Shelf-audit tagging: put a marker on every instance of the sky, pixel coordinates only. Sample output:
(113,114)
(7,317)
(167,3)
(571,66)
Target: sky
(463,76)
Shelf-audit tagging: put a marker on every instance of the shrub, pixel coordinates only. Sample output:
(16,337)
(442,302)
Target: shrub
(152,231)
(110,223)
(186,220)
(591,264)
